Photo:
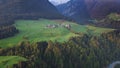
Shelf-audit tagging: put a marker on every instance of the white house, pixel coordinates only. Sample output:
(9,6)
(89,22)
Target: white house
(68,26)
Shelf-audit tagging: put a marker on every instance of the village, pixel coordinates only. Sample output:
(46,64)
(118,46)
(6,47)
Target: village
(68,26)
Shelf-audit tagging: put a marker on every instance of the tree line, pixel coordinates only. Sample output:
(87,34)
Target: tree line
(7,31)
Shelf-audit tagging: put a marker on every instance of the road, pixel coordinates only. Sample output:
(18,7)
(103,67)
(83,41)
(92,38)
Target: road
(112,65)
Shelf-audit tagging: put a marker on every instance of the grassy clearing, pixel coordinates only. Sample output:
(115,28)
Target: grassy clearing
(35,31)
(99,30)
(9,61)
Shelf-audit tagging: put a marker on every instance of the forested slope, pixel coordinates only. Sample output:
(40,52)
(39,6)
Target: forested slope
(86,51)
(25,9)
(110,21)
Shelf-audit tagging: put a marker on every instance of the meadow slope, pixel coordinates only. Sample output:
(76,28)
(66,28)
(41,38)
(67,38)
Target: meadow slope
(36,31)
(8,61)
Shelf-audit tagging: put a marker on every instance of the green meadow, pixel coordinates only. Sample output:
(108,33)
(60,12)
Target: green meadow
(8,61)
(36,31)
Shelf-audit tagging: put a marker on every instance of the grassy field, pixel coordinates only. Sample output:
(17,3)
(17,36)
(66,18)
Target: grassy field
(35,31)
(10,60)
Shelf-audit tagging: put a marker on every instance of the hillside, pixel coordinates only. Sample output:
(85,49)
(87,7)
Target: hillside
(76,10)
(86,51)
(34,34)
(11,10)
(25,9)
(110,21)
(37,30)
(9,61)
(101,8)
(50,44)
(84,10)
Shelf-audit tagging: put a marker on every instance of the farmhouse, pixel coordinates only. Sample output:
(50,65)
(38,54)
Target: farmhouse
(51,26)
(68,26)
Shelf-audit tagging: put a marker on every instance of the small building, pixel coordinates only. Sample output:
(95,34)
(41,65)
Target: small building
(68,26)
(51,26)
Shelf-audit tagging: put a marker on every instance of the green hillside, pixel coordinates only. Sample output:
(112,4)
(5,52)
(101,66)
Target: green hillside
(9,61)
(36,31)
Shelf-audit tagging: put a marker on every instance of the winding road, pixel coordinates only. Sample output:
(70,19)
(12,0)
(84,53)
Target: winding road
(114,64)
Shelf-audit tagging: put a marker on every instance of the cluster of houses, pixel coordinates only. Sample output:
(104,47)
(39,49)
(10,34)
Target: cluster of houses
(68,26)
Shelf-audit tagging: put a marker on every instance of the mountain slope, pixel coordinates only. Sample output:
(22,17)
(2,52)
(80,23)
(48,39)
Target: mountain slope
(25,9)
(83,9)
(44,30)
(110,21)
(75,9)
(101,8)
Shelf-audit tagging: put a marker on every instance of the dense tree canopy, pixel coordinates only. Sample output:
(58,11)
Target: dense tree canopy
(7,31)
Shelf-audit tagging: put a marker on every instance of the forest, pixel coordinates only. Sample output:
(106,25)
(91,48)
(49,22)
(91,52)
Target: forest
(7,31)
(86,51)
(110,21)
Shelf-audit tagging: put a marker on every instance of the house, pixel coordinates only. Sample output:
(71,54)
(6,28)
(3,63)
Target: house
(67,26)
(51,26)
